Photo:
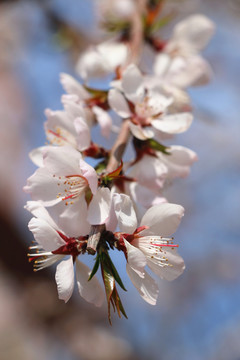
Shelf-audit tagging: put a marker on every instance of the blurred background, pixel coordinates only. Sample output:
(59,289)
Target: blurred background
(198,315)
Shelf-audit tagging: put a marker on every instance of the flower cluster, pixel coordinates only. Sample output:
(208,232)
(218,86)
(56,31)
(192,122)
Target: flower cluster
(81,209)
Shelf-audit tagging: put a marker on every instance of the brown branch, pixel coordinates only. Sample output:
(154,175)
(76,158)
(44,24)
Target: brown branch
(116,155)
(119,147)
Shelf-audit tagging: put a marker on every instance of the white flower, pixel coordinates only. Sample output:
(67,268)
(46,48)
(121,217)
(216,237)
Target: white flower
(102,59)
(152,171)
(68,127)
(146,109)
(180,63)
(153,240)
(54,244)
(79,97)
(70,185)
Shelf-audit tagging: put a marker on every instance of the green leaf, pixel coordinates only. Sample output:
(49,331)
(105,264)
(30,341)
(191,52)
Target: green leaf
(109,284)
(96,92)
(118,303)
(108,262)
(95,267)
(101,166)
(161,23)
(159,147)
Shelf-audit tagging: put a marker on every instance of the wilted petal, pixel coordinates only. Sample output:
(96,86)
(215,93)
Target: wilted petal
(162,219)
(146,286)
(91,290)
(65,279)
(118,103)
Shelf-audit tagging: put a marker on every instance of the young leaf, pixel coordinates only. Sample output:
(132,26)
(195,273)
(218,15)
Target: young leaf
(108,262)
(95,267)
(159,147)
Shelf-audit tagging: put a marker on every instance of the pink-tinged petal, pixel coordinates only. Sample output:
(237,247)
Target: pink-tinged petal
(162,219)
(72,106)
(62,161)
(113,53)
(72,218)
(150,172)
(72,86)
(36,155)
(157,103)
(39,211)
(146,286)
(136,259)
(104,120)
(91,290)
(140,132)
(174,268)
(125,213)
(189,71)
(83,134)
(42,185)
(196,30)
(45,235)
(99,207)
(92,64)
(118,103)
(179,162)
(144,198)
(174,124)
(65,279)
(132,84)
(90,174)
(56,121)
(161,64)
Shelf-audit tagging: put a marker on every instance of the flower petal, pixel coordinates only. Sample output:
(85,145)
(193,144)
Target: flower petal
(196,30)
(72,218)
(125,213)
(140,132)
(65,279)
(91,290)
(104,120)
(118,103)
(135,258)
(72,86)
(63,160)
(39,211)
(99,207)
(83,134)
(132,84)
(45,235)
(90,174)
(42,185)
(162,219)
(146,286)
(174,124)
